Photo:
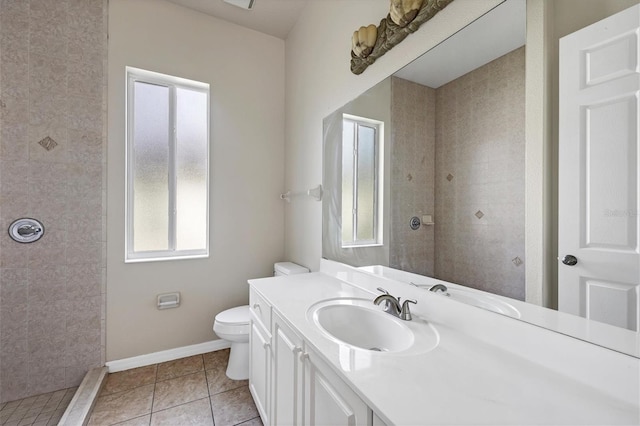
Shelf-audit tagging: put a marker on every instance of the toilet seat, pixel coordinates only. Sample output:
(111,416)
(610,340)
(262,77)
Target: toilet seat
(233,321)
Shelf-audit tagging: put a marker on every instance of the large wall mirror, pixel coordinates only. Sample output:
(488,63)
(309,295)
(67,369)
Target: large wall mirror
(442,159)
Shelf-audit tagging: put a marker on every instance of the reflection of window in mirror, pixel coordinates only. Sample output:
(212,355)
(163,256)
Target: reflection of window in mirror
(362,140)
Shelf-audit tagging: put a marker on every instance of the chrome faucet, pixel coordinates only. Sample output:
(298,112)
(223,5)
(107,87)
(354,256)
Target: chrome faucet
(392,305)
(439,287)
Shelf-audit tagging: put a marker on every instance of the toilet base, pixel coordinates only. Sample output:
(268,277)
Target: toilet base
(238,366)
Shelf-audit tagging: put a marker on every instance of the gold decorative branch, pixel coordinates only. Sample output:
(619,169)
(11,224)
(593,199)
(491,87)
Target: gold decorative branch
(390,34)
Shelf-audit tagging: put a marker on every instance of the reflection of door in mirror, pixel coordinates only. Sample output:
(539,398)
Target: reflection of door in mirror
(457,152)
(599,229)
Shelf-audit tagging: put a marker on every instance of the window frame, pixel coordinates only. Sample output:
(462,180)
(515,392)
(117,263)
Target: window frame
(132,76)
(378,224)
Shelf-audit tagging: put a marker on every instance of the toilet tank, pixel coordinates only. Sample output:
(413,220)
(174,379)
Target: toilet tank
(288,268)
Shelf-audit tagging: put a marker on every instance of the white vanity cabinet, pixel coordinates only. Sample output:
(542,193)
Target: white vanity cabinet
(328,400)
(286,374)
(290,383)
(260,354)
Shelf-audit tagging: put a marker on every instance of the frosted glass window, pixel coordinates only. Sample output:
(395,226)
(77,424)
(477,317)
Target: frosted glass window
(151,167)
(167,167)
(361,171)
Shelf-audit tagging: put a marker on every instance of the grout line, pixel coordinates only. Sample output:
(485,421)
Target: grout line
(206,377)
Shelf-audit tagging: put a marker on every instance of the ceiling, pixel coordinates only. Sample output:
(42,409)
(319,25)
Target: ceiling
(273,17)
(491,36)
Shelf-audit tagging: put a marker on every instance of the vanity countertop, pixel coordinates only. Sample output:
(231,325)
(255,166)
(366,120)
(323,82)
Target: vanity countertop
(466,379)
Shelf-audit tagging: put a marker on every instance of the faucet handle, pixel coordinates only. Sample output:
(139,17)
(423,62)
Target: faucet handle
(382,290)
(405,314)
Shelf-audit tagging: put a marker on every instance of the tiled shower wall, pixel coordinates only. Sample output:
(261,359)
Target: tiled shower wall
(52,166)
(412,175)
(480,143)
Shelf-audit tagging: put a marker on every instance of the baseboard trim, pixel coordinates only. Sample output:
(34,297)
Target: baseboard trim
(168,355)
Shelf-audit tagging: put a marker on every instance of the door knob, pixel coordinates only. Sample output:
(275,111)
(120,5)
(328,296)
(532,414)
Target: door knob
(569,260)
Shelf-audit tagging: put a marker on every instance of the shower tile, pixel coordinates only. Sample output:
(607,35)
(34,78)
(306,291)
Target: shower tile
(47,319)
(46,108)
(233,407)
(88,252)
(179,367)
(85,314)
(13,323)
(48,31)
(45,380)
(85,78)
(192,413)
(48,74)
(14,139)
(82,113)
(48,283)
(172,392)
(85,146)
(85,281)
(40,138)
(13,287)
(13,177)
(129,379)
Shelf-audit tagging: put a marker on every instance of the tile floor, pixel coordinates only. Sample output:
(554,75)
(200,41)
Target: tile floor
(187,391)
(39,410)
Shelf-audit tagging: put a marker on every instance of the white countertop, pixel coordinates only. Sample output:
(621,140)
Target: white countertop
(464,380)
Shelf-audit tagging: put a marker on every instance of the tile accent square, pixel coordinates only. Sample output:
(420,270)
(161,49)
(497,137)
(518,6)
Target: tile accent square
(479,214)
(449,177)
(517,261)
(48,143)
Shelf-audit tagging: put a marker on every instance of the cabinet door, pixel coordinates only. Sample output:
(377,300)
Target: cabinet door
(286,375)
(328,400)
(259,363)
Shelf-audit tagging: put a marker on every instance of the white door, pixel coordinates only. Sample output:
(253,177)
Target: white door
(599,175)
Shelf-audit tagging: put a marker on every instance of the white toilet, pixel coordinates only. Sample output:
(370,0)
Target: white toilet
(233,325)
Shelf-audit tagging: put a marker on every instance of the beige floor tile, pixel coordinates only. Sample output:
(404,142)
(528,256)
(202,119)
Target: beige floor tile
(114,408)
(180,390)
(193,413)
(233,407)
(179,367)
(218,381)
(253,422)
(211,359)
(138,421)
(129,379)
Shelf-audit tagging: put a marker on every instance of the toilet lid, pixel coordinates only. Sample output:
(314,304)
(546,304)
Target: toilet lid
(236,316)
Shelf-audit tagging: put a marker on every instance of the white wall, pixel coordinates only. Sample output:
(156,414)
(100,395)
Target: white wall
(319,81)
(246,72)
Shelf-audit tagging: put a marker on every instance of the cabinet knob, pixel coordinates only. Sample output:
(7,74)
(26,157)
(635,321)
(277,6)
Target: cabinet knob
(256,306)
(297,349)
(303,356)
(266,345)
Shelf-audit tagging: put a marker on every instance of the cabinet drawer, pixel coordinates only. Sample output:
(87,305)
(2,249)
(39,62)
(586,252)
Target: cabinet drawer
(260,308)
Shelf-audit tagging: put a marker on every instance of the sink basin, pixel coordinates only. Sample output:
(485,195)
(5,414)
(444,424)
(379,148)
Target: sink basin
(360,324)
(364,328)
(481,301)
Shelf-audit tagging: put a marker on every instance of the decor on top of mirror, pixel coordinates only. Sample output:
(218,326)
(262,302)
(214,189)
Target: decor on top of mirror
(405,17)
